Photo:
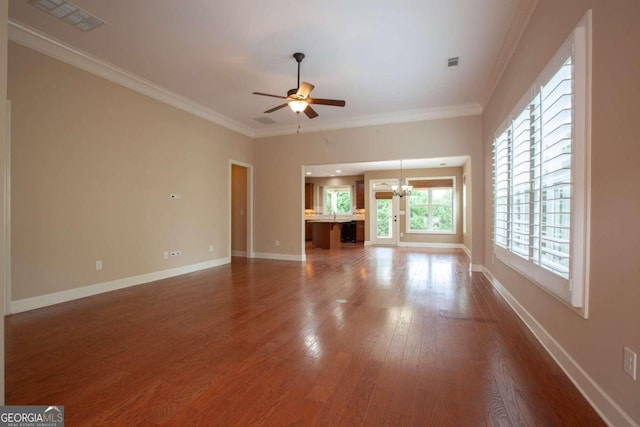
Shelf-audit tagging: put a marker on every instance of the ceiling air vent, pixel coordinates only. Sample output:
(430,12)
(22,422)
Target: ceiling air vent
(69,13)
(453,62)
(265,120)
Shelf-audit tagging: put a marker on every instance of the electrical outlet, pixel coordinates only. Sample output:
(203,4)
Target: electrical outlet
(277,242)
(176,253)
(210,248)
(630,362)
(166,254)
(99,264)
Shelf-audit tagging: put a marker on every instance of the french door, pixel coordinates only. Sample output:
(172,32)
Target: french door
(384,224)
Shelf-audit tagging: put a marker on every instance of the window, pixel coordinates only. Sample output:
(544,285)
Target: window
(338,200)
(540,176)
(430,206)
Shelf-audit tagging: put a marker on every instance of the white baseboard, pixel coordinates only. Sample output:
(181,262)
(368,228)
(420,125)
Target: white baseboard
(281,257)
(603,404)
(472,267)
(99,288)
(476,267)
(239,253)
(466,250)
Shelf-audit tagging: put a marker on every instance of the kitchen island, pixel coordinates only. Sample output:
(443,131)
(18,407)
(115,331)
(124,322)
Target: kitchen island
(326,232)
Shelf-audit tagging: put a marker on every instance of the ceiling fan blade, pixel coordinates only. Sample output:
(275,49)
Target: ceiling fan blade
(268,94)
(319,101)
(310,112)
(277,108)
(304,90)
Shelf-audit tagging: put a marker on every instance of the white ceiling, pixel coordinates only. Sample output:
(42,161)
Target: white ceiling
(386,59)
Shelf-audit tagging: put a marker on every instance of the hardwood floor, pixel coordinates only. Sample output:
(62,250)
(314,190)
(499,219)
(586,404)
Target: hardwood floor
(357,336)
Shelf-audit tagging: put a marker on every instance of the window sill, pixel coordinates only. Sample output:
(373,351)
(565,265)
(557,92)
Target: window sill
(555,286)
(419,232)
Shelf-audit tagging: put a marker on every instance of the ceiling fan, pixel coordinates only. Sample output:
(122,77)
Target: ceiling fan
(298,98)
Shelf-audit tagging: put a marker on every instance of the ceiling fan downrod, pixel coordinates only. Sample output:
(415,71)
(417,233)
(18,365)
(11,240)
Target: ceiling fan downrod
(299,57)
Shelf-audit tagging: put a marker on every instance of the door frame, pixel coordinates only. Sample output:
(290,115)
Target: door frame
(7,211)
(249,167)
(376,185)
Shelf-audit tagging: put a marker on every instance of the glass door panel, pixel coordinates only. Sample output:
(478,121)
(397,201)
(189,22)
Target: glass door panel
(384,227)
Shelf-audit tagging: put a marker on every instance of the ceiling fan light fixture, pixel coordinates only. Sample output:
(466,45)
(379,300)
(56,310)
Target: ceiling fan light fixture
(298,105)
(298,98)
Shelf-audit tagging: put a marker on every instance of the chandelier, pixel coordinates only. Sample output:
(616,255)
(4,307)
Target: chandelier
(403,189)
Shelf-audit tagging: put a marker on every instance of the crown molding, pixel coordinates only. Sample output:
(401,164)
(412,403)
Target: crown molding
(45,44)
(516,30)
(49,46)
(407,116)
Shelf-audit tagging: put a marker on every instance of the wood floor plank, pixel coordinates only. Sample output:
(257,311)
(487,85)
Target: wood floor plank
(354,336)
(325,386)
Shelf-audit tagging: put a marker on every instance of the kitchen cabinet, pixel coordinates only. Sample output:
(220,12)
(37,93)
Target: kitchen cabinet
(308,195)
(326,233)
(359,231)
(359,194)
(308,230)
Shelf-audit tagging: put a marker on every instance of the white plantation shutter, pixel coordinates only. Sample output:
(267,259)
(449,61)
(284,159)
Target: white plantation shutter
(501,155)
(540,179)
(521,185)
(553,113)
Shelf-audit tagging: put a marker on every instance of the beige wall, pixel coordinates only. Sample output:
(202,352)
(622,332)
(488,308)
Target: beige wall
(417,173)
(93,166)
(4,16)
(279,162)
(238,209)
(596,344)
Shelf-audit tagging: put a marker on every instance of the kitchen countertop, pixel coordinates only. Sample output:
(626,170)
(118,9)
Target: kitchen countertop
(337,220)
(330,218)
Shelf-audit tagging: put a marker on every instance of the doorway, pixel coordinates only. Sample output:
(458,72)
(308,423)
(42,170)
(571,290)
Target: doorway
(384,215)
(241,210)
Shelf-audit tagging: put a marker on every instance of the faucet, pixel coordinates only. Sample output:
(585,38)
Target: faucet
(334,215)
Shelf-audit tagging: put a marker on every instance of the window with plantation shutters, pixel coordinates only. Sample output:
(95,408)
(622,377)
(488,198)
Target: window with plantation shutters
(540,176)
